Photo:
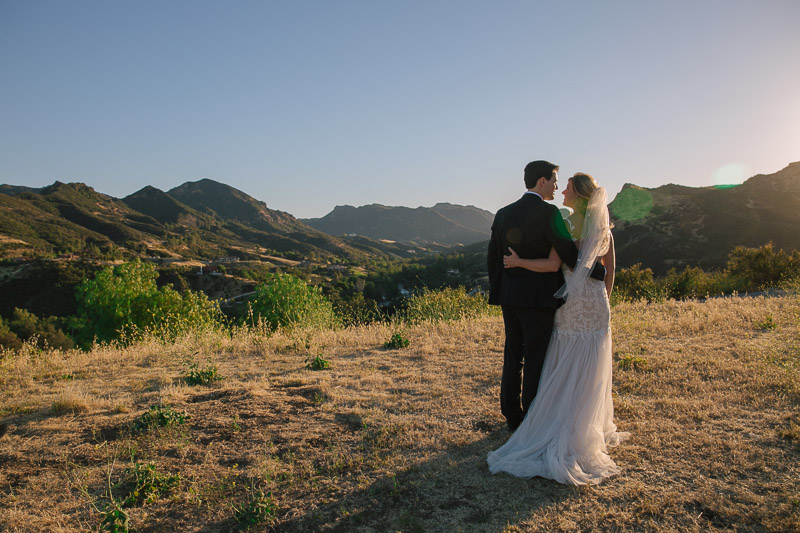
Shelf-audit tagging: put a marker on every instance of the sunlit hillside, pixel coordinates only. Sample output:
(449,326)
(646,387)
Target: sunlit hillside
(214,432)
(676,226)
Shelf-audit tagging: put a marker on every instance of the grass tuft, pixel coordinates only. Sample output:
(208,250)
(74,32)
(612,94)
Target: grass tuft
(632,362)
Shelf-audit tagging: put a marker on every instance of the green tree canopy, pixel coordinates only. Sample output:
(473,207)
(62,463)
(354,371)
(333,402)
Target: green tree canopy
(126,299)
(284,300)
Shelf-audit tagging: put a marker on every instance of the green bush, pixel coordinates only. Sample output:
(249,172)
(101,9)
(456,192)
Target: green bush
(317,363)
(148,484)
(287,301)
(159,417)
(8,339)
(46,331)
(632,362)
(125,300)
(114,519)
(201,376)
(259,508)
(693,282)
(444,305)
(636,283)
(396,341)
(748,269)
(764,267)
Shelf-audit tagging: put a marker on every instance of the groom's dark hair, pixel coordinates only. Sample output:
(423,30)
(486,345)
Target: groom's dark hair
(538,169)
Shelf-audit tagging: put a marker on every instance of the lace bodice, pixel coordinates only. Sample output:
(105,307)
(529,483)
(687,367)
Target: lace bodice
(586,311)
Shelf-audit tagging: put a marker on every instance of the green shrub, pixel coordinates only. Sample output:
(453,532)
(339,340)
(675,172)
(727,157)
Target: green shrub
(8,339)
(693,282)
(396,342)
(114,519)
(124,302)
(636,283)
(444,305)
(160,416)
(45,331)
(201,376)
(748,269)
(259,508)
(148,484)
(763,267)
(632,362)
(767,324)
(318,363)
(287,301)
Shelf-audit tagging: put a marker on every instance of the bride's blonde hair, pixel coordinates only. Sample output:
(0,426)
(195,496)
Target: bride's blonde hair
(584,185)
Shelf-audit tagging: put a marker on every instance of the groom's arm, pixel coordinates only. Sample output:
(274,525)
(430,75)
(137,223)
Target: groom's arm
(560,239)
(558,235)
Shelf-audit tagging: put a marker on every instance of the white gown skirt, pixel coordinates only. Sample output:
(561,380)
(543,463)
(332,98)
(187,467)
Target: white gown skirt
(570,425)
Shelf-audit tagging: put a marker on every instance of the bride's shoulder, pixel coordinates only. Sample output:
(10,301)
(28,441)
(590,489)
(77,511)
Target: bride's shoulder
(574,226)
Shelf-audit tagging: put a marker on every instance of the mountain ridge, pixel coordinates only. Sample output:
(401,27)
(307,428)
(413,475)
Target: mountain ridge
(443,223)
(662,227)
(676,226)
(222,221)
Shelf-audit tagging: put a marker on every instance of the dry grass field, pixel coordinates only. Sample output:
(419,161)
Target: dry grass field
(396,440)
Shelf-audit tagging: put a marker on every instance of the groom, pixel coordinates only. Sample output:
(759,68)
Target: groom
(530,226)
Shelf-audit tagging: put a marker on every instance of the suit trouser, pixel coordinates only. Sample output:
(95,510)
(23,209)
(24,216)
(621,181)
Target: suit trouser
(528,331)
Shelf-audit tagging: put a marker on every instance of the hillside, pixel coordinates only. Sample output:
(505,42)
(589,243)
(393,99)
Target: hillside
(396,440)
(443,223)
(197,220)
(673,225)
(65,217)
(226,203)
(662,227)
(165,209)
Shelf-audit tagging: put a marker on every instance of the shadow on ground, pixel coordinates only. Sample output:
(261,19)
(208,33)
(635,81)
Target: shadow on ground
(450,492)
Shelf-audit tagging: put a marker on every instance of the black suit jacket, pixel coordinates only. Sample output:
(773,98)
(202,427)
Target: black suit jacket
(531,227)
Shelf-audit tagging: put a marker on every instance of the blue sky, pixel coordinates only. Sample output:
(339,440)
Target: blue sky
(311,104)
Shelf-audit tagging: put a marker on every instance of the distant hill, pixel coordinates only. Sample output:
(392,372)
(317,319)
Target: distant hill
(198,220)
(226,203)
(13,190)
(674,225)
(164,208)
(443,223)
(65,217)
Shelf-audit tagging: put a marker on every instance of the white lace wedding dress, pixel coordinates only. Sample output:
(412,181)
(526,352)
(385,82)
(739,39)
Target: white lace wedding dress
(570,424)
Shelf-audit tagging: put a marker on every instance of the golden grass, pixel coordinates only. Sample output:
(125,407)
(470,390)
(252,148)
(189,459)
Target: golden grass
(396,440)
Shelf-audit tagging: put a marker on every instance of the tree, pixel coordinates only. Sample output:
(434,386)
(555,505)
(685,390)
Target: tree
(8,339)
(284,300)
(763,267)
(125,298)
(27,325)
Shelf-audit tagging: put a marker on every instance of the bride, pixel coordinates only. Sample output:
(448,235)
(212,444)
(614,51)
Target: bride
(570,425)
